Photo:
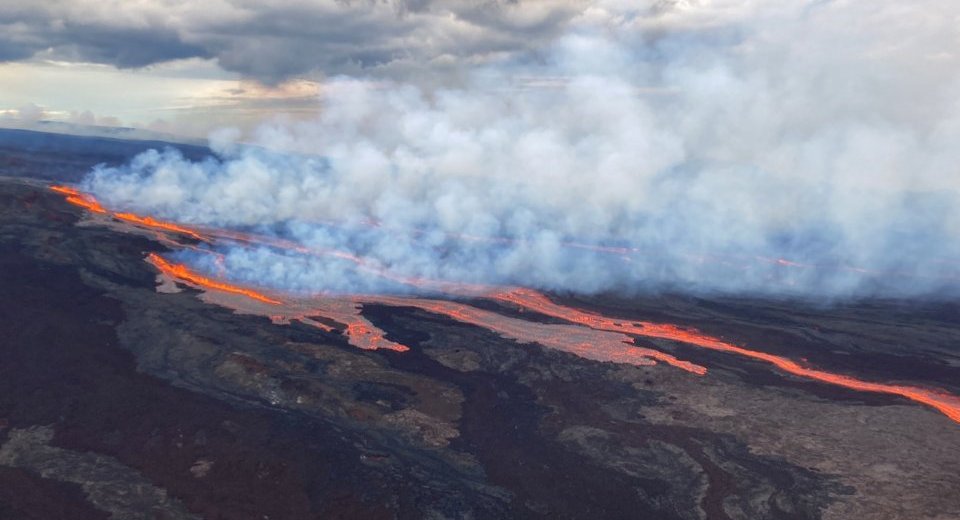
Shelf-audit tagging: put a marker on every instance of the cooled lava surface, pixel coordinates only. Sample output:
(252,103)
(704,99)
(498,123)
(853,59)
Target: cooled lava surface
(134,383)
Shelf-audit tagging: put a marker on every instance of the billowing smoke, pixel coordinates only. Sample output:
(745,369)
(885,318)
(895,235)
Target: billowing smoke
(811,148)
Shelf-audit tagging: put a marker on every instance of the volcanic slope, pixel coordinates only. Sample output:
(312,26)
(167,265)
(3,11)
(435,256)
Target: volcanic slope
(115,398)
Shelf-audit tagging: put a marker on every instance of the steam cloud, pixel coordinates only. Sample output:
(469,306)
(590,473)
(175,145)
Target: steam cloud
(823,134)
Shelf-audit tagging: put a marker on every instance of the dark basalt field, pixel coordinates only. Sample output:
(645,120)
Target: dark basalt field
(117,401)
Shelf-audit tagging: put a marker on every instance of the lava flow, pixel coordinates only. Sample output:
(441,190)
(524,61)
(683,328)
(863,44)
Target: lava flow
(79,199)
(182,272)
(153,223)
(360,332)
(347,314)
(587,343)
(946,403)
(88,202)
(590,335)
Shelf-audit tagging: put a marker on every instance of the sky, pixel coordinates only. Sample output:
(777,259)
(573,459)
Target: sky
(191,67)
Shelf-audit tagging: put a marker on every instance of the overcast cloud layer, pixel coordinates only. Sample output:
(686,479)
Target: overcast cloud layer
(273,41)
(740,148)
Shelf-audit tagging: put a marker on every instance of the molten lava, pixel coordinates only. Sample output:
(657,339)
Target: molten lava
(589,335)
(64,190)
(364,335)
(946,403)
(88,202)
(586,343)
(153,223)
(360,332)
(79,199)
(184,273)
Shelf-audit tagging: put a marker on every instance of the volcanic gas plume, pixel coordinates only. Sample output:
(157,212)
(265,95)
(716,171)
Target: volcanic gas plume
(586,334)
(801,148)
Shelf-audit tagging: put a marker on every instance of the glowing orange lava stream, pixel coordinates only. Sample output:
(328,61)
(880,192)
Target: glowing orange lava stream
(946,403)
(151,222)
(586,343)
(181,272)
(87,201)
(590,335)
(79,199)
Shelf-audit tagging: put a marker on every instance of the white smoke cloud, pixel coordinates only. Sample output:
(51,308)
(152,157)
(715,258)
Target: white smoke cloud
(713,139)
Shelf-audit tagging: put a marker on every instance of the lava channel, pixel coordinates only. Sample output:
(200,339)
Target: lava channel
(80,199)
(947,404)
(88,202)
(182,272)
(153,223)
(602,348)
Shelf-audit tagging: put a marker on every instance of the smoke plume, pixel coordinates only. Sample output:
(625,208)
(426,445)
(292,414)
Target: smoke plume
(808,148)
